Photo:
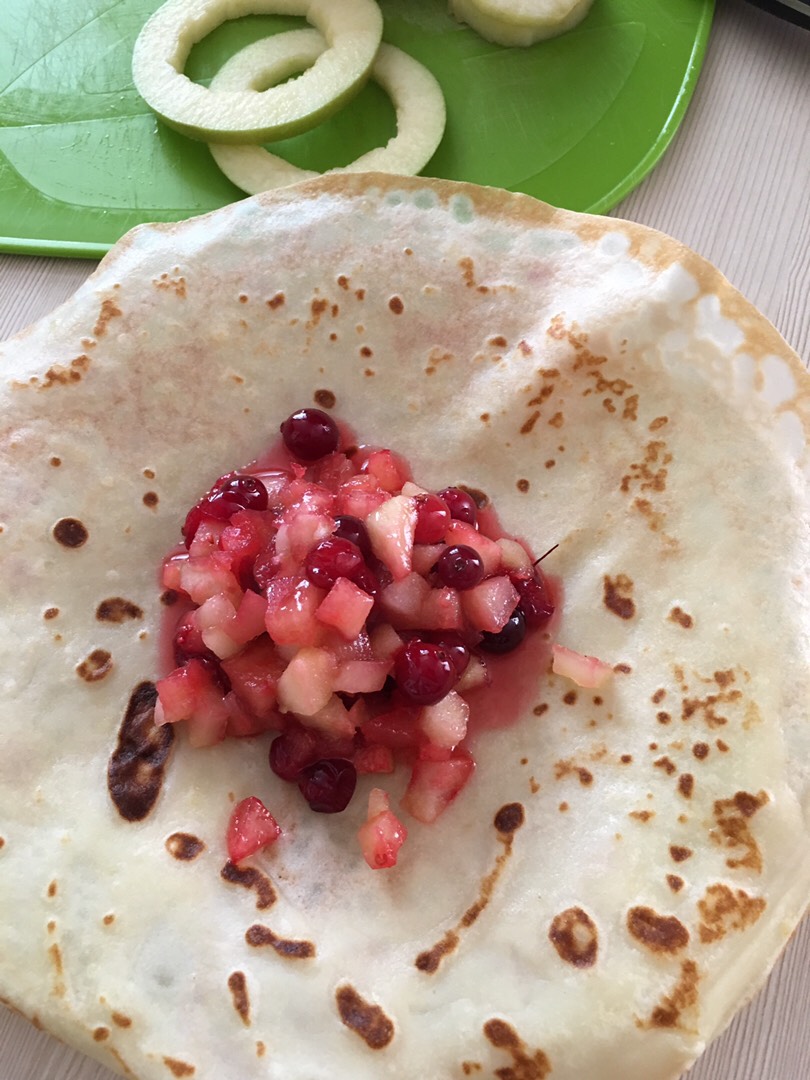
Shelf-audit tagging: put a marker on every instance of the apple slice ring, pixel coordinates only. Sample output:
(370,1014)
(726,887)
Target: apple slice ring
(352,29)
(415,93)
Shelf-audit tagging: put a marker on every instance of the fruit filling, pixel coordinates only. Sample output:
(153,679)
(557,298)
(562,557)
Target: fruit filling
(357,617)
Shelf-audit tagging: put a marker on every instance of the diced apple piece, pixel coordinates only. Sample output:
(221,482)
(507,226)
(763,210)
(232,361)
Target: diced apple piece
(247,533)
(514,555)
(475,674)
(305,685)
(207,537)
(445,723)
(391,529)
(402,601)
(290,616)
(192,694)
(203,576)
(248,623)
(396,729)
(435,784)
(251,828)
(585,671)
(373,759)
(425,557)
(301,530)
(345,607)
(359,497)
(385,642)
(242,723)
(213,618)
(382,834)
(254,675)
(489,605)
(171,570)
(361,676)
(387,468)
(460,532)
(442,610)
(332,719)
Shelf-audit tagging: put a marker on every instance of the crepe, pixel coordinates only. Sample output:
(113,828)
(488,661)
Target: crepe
(626,865)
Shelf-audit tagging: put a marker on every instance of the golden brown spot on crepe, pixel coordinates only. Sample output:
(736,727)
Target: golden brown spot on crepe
(55,954)
(653,746)
(506,821)
(366,1020)
(526,1066)
(550,463)
(658,423)
(684,996)
(574,935)
(523,485)
(655,520)
(563,807)
(333,336)
(51,926)
(360,294)
(184,847)
(251,878)
(179,1068)
(678,615)
(469,1067)
(658,696)
(663,717)
(136,767)
(52,889)
(120,1020)
(666,764)
(317,308)
(237,984)
(609,406)
(276,301)
(538,710)
(261,1049)
(622,669)
(545,392)
(96,666)
(150,499)
(700,750)
(617,596)
(721,746)
(630,411)
(149,474)
(678,853)
(396,305)
(675,883)
(259,936)
(528,425)
(117,610)
(325,399)
(176,284)
(169,597)
(109,310)
(724,678)
(101,1033)
(366,351)
(343,281)
(723,910)
(70,533)
(659,933)
(706,706)
(56,461)
(2,842)
(243,298)
(534,787)
(557,420)
(499,341)
(733,831)
(50,613)
(108,920)
(570,698)
(642,815)
(626,759)
(686,785)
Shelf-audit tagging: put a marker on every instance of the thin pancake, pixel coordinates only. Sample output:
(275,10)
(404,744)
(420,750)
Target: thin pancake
(626,865)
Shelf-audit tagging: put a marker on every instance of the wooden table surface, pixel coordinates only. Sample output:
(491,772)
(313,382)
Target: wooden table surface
(735,186)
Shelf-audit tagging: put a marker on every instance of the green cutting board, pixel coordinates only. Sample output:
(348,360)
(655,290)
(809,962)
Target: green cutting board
(577,121)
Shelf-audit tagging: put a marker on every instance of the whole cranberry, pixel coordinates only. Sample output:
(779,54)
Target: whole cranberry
(310,434)
(461,505)
(328,785)
(425,671)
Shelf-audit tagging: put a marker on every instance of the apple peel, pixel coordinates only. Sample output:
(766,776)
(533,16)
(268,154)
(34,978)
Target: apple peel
(414,92)
(353,29)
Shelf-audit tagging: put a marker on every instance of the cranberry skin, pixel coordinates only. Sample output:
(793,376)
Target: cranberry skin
(461,505)
(432,519)
(188,646)
(192,523)
(241,492)
(291,751)
(508,638)
(328,785)
(455,647)
(365,578)
(265,567)
(353,529)
(424,671)
(310,434)
(535,601)
(460,567)
(331,559)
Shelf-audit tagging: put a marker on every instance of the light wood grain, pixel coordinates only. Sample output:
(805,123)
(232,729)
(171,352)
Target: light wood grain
(735,186)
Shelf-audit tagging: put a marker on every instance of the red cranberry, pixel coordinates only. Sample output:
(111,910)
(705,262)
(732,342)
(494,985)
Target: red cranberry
(366,579)
(265,568)
(508,638)
(189,645)
(310,434)
(455,647)
(424,671)
(460,567)
(331,559)
(328,785)
(192,523)
(352,528)
(461,505)
(237,493)
(291,751)
(432,519)
(535,601)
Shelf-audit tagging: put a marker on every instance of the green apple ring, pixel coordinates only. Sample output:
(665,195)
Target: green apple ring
(520,22)
(415,93)
(352,29)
